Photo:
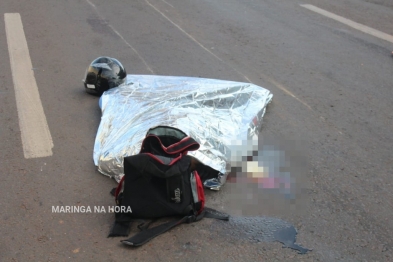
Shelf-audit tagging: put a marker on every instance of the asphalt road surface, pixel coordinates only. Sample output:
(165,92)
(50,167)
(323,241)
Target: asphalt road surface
(332,87)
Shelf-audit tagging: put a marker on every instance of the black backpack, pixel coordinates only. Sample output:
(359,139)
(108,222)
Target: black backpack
(162,181)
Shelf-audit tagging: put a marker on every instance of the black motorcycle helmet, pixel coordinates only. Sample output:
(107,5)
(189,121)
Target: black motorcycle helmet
(102,74)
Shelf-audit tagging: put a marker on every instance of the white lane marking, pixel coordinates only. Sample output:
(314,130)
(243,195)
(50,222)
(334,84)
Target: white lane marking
(36,137)
(279,86)
(360,27)
(196,41)
(168,3)
(121,37)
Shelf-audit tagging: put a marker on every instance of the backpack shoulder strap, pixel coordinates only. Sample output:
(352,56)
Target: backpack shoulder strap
(186,144)
(148,234)
(212,213)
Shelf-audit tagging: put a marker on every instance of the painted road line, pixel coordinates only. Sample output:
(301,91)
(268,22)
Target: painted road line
(196,41)
(36,137)
(168,3)
(119,35)
(360,27)
(221,60)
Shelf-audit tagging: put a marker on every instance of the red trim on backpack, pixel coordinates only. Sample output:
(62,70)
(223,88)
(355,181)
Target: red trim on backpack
(201,192)
(174,160)
(175,144)
(166,149)
(154,157)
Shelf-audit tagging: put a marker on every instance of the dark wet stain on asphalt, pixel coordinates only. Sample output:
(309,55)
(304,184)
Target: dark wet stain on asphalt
(260,229)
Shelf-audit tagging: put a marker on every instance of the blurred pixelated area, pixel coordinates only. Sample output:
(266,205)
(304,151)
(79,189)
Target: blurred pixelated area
(266,174)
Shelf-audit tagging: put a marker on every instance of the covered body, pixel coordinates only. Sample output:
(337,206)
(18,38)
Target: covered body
(216,113)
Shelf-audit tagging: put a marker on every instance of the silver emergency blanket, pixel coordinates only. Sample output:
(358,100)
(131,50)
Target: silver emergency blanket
(216,113)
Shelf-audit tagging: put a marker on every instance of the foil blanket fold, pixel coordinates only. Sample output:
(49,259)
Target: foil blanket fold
(216,113)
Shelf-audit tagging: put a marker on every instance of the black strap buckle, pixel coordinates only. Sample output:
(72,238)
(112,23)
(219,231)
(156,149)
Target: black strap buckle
(191,219)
